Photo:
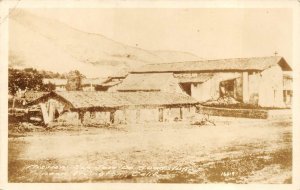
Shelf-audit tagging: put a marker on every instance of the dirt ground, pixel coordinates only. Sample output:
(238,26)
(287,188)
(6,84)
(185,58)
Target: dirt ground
(232,151)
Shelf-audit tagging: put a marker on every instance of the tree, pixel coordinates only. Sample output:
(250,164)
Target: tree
(28,79)
(48,87)
(74,79)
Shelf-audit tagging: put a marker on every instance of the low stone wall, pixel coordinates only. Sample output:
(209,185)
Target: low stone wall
(246,113)
(280,114)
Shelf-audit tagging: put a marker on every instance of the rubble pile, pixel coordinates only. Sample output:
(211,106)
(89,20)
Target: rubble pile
(26,127)
(202,120)
(222,101)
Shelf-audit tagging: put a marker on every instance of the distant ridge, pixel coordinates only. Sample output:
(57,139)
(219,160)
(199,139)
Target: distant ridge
(48,44)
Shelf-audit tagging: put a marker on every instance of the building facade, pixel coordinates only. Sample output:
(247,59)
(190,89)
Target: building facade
(86,108)
(259,81)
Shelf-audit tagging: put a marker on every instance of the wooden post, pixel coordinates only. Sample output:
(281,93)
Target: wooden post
(245,87)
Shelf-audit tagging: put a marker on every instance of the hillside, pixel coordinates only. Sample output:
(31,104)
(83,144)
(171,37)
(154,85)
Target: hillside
(51,45)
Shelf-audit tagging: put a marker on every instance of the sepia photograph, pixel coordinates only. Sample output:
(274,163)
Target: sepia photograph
(150,95)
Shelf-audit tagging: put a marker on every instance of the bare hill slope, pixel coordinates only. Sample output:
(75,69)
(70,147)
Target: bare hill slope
(51,45)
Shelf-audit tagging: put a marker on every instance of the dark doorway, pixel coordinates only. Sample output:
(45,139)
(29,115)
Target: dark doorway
(186,87)
(227,88)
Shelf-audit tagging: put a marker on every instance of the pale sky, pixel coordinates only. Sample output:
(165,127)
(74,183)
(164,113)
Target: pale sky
(208,33)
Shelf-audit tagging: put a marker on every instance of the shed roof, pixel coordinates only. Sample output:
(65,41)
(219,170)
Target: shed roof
(94,99)
(146,82)
(234,64)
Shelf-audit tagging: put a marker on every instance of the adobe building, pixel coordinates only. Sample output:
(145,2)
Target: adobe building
(262,81)
(83,107)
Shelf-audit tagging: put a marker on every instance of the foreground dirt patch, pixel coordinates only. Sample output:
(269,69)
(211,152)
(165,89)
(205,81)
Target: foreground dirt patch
(230,152)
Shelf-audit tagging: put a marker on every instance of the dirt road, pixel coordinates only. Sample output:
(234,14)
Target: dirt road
(233,151)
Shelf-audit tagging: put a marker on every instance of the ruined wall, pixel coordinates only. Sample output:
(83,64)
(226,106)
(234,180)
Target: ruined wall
(209,90)
(50,107)
(259,88)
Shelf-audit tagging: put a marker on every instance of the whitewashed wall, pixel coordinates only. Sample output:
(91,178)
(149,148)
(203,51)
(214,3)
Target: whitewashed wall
(271,88)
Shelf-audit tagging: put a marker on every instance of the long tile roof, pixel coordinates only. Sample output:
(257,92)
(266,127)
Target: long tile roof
(234,64)
(84,99)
